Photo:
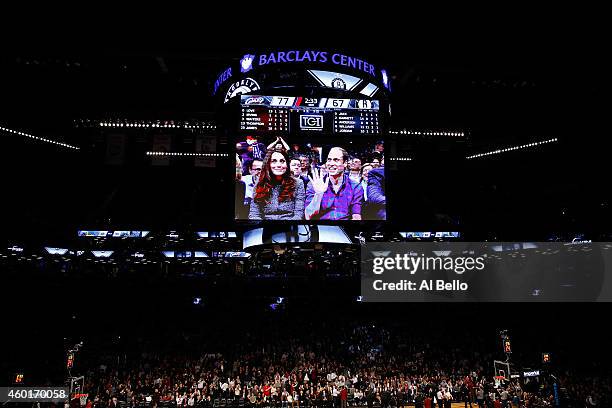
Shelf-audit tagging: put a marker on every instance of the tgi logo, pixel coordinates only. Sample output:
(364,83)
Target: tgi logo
(311,122)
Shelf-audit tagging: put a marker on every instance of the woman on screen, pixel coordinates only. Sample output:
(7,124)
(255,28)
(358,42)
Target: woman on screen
(278,195)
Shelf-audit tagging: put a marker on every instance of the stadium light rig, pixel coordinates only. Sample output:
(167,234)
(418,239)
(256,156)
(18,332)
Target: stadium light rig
(41,139)
(428,133)
(180,154)
(148,124)
(509,149)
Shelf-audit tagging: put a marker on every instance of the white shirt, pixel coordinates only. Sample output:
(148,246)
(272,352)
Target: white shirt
(364,184)
(250,182)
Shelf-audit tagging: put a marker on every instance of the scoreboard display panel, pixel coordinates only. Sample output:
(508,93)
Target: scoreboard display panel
(300,114)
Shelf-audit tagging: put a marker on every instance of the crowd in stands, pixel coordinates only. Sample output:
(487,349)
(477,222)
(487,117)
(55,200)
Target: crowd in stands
(361,366)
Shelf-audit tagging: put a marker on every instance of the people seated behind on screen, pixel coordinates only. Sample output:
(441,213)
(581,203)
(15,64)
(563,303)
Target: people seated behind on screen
(295,149)
(335,196)
(375,159)
(241,210)
(365,169)
(304,164)
(375,162)
(323,170)
(355,169)
(379,147)
(278,195)
(250,149)
(250,180)
(363,181)
(296,170)
(377,201)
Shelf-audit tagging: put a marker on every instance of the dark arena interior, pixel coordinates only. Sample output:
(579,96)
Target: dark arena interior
(191,227)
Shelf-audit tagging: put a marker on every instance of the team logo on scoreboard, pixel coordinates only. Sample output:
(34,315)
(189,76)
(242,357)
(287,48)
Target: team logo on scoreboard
(338,83)
(311,122)
(335,80)
(243,86)
(254,100)
(246,63)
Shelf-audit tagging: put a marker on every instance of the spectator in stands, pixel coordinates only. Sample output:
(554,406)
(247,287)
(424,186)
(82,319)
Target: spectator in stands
(465,394)
(343,397)
(448,398)
(591,401)
(440,398)
(503,396)
(480,396)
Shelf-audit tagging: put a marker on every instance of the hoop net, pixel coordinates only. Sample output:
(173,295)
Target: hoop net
(82,398)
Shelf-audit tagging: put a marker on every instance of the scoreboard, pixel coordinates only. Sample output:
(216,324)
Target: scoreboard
(319,115)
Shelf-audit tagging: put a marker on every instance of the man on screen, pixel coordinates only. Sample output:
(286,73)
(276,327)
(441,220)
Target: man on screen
(296,171)
(335,196)
(355,169)
(251,149)
(377,198)
(254,168)
(305,164)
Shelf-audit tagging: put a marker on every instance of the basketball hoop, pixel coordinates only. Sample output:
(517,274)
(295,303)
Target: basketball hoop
(82,398)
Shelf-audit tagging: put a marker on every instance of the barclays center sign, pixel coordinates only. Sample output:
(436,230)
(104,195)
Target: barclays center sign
(323,57)
(252,61)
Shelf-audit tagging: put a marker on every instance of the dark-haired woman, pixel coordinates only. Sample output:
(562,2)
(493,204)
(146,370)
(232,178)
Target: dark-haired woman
(277,195)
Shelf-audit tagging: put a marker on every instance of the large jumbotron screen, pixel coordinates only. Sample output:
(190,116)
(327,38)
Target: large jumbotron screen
(314,159)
